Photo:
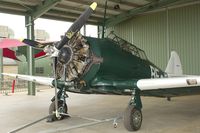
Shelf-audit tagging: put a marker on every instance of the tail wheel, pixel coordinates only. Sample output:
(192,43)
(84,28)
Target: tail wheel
(61,109)
(132,118)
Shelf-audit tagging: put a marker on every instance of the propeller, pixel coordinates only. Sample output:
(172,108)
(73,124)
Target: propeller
(60,49)
(37,44)
(70,54)
(62,52)
(76,26)
(65,52)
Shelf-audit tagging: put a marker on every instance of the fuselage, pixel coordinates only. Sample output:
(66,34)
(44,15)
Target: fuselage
(109,66)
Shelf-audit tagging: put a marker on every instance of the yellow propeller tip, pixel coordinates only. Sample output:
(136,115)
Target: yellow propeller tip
(21,39)
(93,5)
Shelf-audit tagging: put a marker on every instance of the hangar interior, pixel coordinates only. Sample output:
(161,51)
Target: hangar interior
(156,26)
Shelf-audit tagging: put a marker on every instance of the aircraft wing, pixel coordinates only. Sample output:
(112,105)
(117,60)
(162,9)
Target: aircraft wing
(9,54)
(142,84)
(163,83)
(7,43)
(37,79)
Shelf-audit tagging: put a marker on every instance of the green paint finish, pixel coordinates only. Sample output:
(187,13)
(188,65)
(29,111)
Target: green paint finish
(118,70)
(136,100)
(117,84)
(111,68)
(59,84)
(89,76)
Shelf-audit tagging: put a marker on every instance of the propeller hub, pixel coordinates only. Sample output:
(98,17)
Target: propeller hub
(65,55)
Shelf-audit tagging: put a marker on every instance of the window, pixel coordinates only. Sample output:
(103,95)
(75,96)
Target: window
(39,70)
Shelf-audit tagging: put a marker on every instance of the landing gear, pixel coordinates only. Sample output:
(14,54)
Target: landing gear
(132,118)
(133,113)
(169,98)
(62,109)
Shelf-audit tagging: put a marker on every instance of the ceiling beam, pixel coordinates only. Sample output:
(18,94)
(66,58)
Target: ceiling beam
(129,14)
(66,19)
(77,9)
(11,11)
(101,6)
(43,7)
(7,5)
(70,14)
(19,2)
(151,0)
(24,2)
(125,3)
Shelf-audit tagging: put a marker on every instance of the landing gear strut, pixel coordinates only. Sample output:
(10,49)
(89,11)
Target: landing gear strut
(62,109)
(133,113)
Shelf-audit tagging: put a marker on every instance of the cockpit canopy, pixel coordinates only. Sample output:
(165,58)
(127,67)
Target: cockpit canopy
(127,46)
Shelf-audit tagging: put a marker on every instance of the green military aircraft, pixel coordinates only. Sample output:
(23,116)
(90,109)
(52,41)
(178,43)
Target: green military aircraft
(110,65)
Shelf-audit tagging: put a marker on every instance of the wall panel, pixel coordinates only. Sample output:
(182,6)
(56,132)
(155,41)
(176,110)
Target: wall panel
(161,32)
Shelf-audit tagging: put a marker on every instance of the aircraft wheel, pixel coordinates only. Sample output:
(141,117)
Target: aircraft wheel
(61,109)
(132,118)
(168,98)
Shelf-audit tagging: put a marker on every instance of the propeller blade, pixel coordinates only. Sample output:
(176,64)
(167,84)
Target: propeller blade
(76,26)
(36,44)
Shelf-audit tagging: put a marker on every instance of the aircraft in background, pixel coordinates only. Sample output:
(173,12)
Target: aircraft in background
(109,65)
(6,43)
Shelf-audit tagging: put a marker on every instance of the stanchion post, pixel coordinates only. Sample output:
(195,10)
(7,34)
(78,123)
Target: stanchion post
(13,86)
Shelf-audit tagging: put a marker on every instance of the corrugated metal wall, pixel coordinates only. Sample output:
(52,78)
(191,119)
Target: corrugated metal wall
(159,33)
(184,29)
(42,67)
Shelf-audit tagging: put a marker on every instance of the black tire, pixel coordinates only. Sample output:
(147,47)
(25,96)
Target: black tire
(168,98)
(52,108)
(132,118)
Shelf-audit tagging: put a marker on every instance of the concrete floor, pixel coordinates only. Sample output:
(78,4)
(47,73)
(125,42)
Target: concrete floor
(181,115)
